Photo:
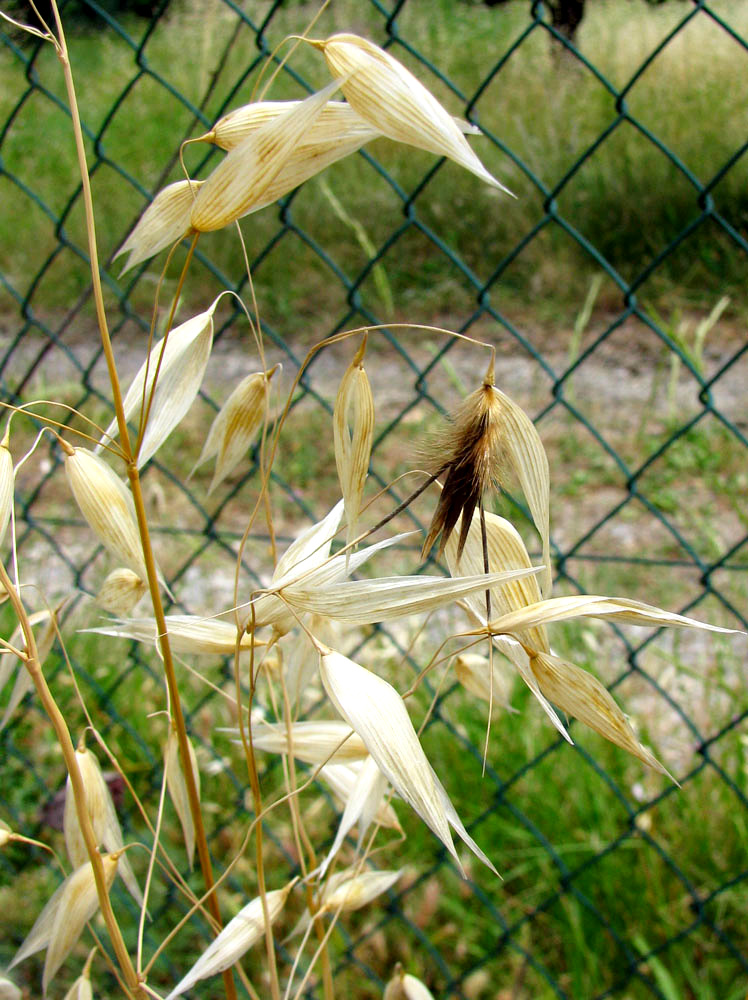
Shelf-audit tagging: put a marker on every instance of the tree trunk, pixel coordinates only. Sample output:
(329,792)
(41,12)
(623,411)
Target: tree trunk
(566,16)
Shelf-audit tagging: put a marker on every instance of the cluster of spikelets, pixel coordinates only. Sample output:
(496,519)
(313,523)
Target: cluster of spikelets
(273,146)
(370,752)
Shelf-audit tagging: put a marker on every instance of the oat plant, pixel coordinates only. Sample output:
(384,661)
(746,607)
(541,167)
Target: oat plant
(292,639)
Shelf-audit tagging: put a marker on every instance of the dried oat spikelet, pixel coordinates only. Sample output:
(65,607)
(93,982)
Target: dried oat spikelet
(239,183)
(237,937)
(365,602)
(506,551)
(336,125)
(353,433)
(7,480)
(166,220)
(470,452)
(121,591)
(337,133)
(343,779)
(187,634)
(390,98)
(491,438)
(403,986)
(305,570)
(364,801)
(578,693)
(346,891)
(616,609)
(107,506)
(312,742)
(60,923)
(236,425)
(542,672)
(375,710)
(177,787)
(524,458)
(103,818)
(81,988)
(180,374)
(505,548)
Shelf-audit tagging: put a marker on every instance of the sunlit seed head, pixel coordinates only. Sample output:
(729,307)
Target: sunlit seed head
(470,455)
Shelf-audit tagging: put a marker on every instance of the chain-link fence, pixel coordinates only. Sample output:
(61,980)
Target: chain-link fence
(616,883)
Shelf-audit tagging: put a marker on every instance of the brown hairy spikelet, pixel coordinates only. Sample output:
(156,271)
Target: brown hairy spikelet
(469,452)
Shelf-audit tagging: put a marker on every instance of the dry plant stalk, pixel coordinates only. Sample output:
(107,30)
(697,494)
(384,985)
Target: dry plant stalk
(291,637)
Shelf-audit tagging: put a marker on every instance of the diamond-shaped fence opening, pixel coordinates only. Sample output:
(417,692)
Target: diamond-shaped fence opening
(611,291)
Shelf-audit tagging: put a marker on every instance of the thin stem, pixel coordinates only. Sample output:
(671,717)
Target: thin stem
(484,544)
(149,876)
(62,53)
(254,781)
(256,328)
(76,781)
(176,709)
(328,985)
(132,472)
(254,784)
(148,403)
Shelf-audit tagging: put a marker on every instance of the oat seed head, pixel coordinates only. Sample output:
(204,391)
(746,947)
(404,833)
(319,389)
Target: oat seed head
(346,891)
(312,742)
(166,220)
(353,434)
(579,694)
(403,986)
(239,183)
(121,591)
(107,506)
(59,925)
(236,425)
(343,778)
(375,710)
(103,818)
(187,634)
(236,938)
(471,449)
(177,788)
(363,803)
(395,102)
(81,988)
(506,551)
(78,903)
(349,891)
(337,123)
